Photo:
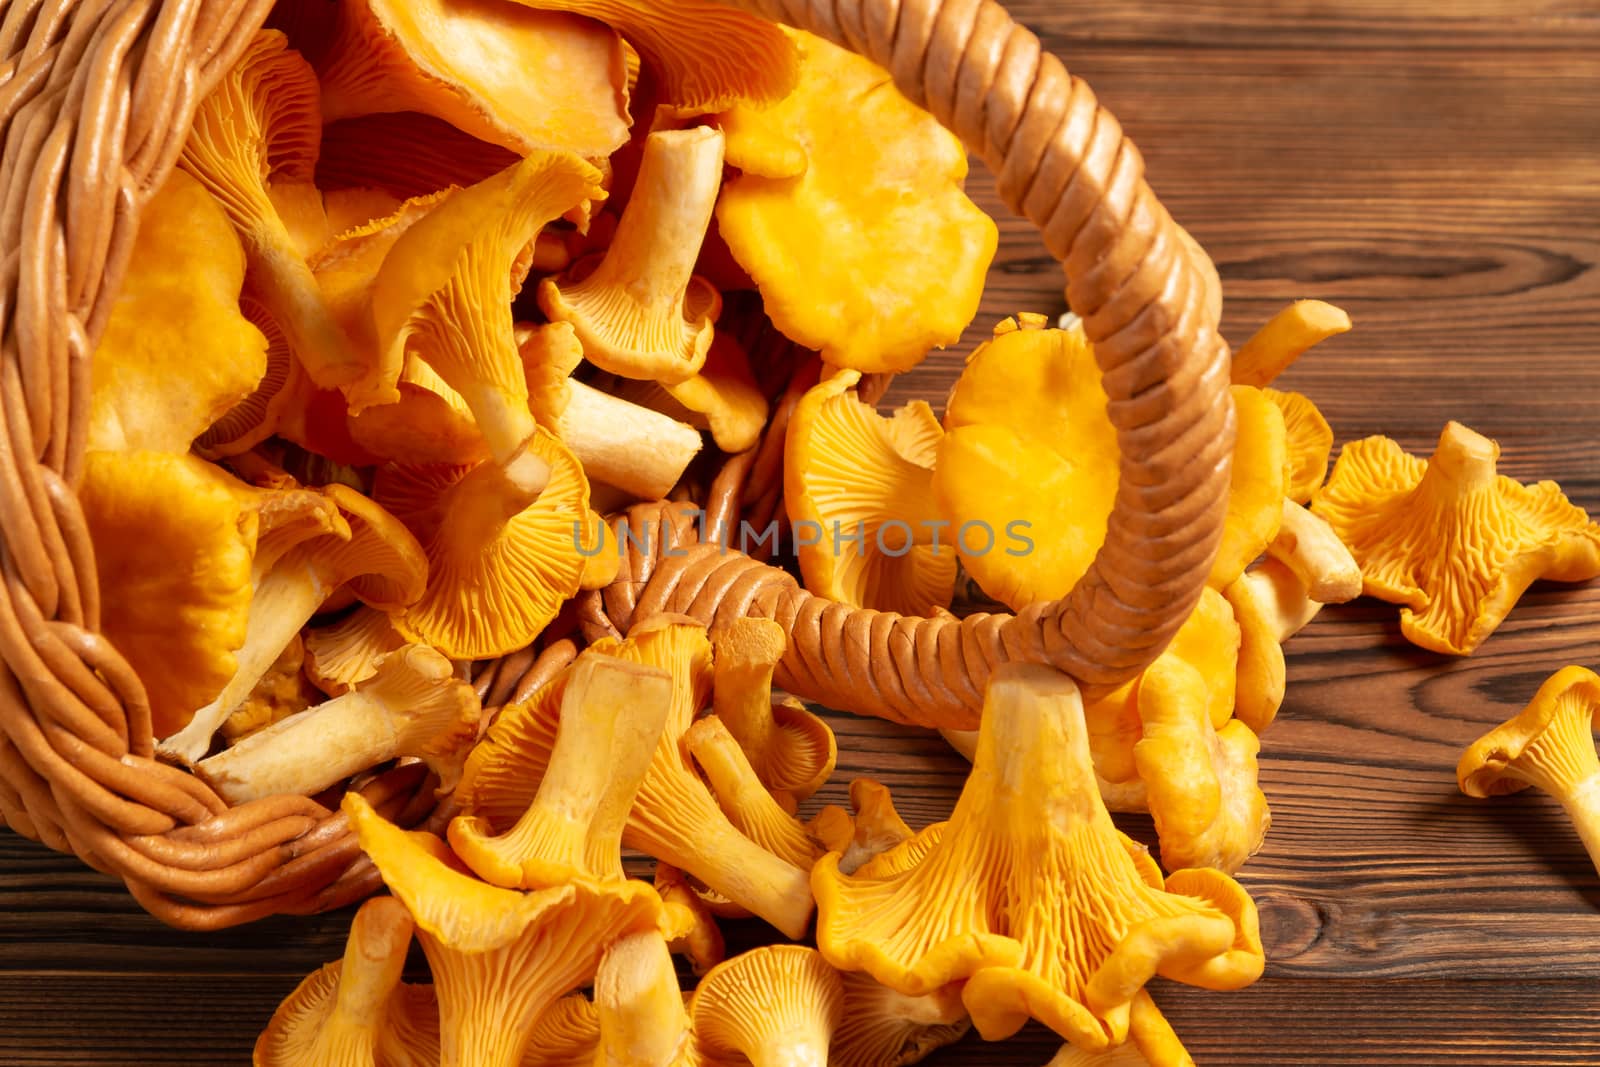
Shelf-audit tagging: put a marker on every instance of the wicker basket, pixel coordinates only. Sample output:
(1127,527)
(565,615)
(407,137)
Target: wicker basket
(96,97)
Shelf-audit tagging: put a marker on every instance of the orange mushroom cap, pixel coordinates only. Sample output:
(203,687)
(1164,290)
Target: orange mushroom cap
(1309,439)
(872,254)
(705,56)
(1451,540)
(176,354)
(499,958)
(499,567)
(523,79)
(1030,893)
(873,829)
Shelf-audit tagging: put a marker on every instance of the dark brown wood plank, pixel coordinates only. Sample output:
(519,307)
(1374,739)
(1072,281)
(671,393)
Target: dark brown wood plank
(1428,164)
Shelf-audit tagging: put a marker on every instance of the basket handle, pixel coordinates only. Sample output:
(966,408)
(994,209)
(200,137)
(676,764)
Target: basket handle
(1147,297)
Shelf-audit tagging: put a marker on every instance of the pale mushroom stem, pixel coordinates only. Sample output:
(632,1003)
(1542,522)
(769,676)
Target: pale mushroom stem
(658,239)
(746,653)
(623,444)
(639,1004)
(1463,460)
(284,602)
(407,705)
(1307,545)
(489,496)
(374,957)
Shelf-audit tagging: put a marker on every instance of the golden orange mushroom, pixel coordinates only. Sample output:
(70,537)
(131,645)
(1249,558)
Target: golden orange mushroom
(792,750)
(611,717)
(177,353)
(499,958)
(1451,540)
(871,828)
(859,491)
(1285,338)
(1550,746)
(870,253)
(638,309)
(1030,893)
(522,79)
(262,123)
(339,1015)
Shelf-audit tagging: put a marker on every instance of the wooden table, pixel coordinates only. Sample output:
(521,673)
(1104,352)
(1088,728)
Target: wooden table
(1434,167)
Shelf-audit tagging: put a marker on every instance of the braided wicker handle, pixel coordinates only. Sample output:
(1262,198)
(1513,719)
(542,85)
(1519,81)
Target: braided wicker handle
(1147,302)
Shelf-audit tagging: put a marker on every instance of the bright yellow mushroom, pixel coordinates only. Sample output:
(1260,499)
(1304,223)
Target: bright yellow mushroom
(262,123)
(870,254)
(638,1005)
(177,354)
(705,56)
(1270,605)
(874,828)
(1201,781)
(1550,746)
(1450,539)
(674,817)
(639,310)
(1308,546)
(1030,893)
(742,797)
(775,1006)
(371,552)
(526,80)
(499,564)
(1310,443)
(610,722)
(413,705)
(1259,487)
(339,1015)
(179,545)
(859,491)
(792,750)
(1284,339)
(444,293)
(499,958)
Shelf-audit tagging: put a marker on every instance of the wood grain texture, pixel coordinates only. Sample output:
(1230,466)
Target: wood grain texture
(1428,164)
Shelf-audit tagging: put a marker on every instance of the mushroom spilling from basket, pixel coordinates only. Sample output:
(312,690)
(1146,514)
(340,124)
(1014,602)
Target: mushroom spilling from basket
(478,357)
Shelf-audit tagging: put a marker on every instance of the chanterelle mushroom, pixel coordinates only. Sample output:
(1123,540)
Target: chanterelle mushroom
(743,798)
(862,241)
(261,122)
(1451,540)
(515,77)
(1151,1043)
(774,1006)
(413,705)
(639,310)
(704,55)
(611,716)
(338,1015)
(501,563)
(873,829)
(1310,442)
(792,750)
(1548,745)
(674,817)
(176,353)
(863,486)
(1029,452)
(374,554)
(1031,894)
(1284,339)
(499,958)
(640,1010)
(444,293)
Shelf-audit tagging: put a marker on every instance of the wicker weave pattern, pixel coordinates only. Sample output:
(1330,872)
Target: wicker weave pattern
(96,97)
(1064,163)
